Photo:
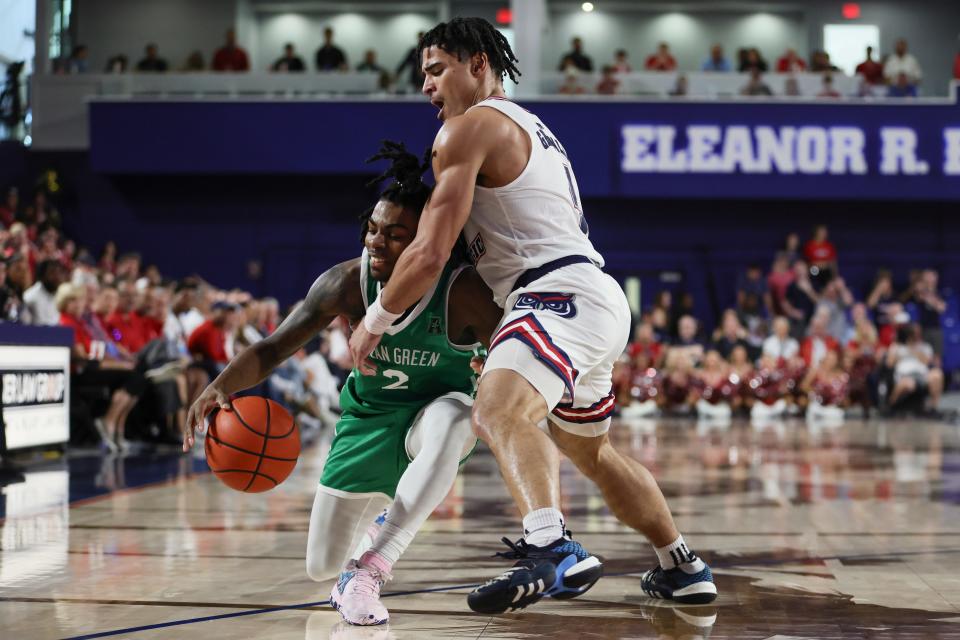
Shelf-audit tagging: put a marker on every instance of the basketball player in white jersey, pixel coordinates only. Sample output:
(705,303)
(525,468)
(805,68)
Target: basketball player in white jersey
(506,183)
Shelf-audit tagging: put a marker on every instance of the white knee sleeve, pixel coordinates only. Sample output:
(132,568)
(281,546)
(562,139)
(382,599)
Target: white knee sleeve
(336,526)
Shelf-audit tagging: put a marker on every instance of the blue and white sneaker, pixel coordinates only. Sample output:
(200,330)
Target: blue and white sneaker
(678,585)
(577,570)
(518,587)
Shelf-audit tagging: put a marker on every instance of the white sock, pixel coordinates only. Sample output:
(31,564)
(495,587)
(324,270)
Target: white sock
(543,526)
(392,541)
(677,554)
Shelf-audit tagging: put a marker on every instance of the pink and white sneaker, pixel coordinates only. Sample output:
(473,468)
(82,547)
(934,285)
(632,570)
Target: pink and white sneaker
(356,595)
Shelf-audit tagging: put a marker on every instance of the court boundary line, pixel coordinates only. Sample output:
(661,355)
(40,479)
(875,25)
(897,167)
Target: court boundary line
(620,574)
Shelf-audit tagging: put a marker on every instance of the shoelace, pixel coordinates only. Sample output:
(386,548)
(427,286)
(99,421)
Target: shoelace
(519,549)
(367,582)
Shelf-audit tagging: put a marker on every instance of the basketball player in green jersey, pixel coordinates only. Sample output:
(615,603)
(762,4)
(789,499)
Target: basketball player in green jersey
(404,430)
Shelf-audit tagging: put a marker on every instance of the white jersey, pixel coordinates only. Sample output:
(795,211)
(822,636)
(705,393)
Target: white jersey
(535,219)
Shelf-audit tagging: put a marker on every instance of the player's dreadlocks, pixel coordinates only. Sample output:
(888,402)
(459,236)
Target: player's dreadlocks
(407,188)
(469,36)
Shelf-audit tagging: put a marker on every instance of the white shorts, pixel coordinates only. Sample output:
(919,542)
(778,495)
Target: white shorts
(563,334)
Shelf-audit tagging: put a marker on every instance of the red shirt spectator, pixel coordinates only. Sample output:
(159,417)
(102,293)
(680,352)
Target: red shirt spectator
(790,62)
(819,251)
(209,342)
(813,347)
(81,336)
(128,329)
(661,60)
(230,57)
(956,67)
(870,69)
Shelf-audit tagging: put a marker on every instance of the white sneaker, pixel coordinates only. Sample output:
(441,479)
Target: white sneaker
(356,595)
(105,438)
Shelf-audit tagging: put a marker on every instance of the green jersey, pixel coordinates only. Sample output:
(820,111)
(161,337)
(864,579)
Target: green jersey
(416,362)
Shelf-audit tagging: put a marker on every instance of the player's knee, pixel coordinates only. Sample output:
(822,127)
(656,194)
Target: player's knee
(488,421)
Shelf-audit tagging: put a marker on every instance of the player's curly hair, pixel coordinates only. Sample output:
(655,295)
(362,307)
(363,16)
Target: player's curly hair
(407,188)
(469,36)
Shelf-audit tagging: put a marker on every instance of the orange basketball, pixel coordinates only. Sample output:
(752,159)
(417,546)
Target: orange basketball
(254,447)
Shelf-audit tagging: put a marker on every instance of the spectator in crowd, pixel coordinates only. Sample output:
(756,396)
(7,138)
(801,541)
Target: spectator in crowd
(821,255)
(329,56)
(818,340)
(412,60)
(93,366)
(576,58)
(571,84)
(780,277)
(902,87)
(661,60)
(40,213)
(790,62)
(902,62)
(620,63)
(801,298)
(11,306)
(791,87)
(791,247)
(108,258)
(609,82)
(39,298)
(752,281)
(780,344)
(755,85)
(79,60)
(152,62)
(645,346)
(289,61)
(914,367)
(729,335)
(369,65)
(128,266)
(194,63)
(687,344)
(820,62)
(716,61)
(881,294)
(716,393)
(208,342)
(827,89)
(870,69)
(931,308)
(10,207)
(834,301)
(680,86)
(230,57)
(751,60)
(126,325)
(117,64)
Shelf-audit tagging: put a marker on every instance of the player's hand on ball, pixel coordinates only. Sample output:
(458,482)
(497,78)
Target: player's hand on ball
(362,344)
(210,399)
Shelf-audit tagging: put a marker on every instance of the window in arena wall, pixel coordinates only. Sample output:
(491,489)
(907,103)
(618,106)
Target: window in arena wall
(847,44)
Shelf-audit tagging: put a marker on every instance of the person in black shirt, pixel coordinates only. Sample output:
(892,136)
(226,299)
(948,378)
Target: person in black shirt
(930,307)
(290,61)
(576,57)
(800,300)
(330,57)
(412,60)
(152,62)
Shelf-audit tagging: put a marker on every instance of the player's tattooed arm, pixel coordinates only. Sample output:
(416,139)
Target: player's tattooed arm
(336,292)
(473,314)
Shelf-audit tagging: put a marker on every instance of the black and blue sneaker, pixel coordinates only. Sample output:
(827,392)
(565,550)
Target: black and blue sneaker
(678,585)
(577,570)
(518,587)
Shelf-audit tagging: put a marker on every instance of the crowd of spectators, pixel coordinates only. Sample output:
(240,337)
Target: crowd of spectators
(145,346)
(231,57)
(897,75)
(796,340)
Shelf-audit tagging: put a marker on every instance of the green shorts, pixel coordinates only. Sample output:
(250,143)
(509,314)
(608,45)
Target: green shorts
(368,454)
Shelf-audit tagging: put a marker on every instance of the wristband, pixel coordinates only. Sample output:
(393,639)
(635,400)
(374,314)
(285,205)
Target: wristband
(378,319)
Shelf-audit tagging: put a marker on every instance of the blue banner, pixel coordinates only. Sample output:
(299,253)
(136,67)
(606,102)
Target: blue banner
(810,150)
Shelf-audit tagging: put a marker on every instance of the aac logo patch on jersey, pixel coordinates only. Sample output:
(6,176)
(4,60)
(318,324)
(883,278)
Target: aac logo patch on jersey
(559,303)
(435,328)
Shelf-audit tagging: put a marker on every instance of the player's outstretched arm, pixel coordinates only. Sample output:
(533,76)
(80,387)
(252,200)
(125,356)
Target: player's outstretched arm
(458,153)
(336,292)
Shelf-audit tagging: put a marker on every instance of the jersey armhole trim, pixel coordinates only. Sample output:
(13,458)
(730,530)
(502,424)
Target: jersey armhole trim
(446,314)
(528,165)
(364,274)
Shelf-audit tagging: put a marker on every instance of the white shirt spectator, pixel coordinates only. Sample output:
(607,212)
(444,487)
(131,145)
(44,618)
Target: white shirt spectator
(190,320)
(911,360)
(786,349)
(895,65)
(41,305)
